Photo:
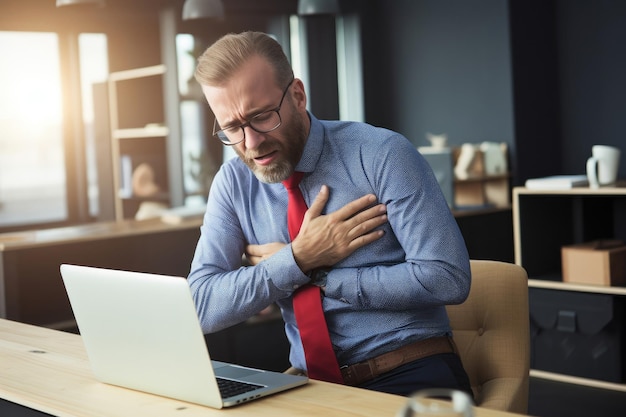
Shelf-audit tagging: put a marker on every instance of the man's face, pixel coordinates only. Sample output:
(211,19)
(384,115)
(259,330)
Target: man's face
(271,156)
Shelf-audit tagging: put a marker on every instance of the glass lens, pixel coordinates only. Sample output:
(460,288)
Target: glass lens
(262,123)
(231,134)
(266,121)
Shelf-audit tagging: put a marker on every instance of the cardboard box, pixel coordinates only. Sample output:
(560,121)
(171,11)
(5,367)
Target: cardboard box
(579,334)
(601,262)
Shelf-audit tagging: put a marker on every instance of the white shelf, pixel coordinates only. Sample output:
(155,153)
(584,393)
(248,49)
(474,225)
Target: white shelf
(137,73)
(141,132)
(620,189)
(568,379)
(483,178)
(566,286)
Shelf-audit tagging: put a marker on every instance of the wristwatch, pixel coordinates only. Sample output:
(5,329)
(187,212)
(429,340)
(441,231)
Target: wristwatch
(319,276)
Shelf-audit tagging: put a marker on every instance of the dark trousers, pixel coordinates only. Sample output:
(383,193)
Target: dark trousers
(438,371)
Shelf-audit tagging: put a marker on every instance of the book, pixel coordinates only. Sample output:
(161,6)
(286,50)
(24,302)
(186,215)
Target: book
(126,173)
(557,182)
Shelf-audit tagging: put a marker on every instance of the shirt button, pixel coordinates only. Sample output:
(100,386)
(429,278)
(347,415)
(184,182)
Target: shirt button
(296,286)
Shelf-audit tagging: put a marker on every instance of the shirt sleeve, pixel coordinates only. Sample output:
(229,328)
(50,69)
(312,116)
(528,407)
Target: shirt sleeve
(225,291)
(433,265)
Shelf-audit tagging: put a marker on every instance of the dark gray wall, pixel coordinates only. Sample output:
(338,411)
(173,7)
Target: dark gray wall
(444,67)
(534,57)
(546,76)
(592,54)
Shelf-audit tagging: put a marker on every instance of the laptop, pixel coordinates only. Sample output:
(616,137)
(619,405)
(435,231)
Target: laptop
(141,331)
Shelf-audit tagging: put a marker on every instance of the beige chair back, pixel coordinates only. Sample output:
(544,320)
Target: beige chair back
(491,329)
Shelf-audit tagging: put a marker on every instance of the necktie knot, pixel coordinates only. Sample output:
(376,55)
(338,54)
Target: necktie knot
(296,206)
(293,181)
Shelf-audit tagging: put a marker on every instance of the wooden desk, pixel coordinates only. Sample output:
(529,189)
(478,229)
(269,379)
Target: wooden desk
(48,370)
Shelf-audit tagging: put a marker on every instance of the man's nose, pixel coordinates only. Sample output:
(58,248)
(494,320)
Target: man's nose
(252,138)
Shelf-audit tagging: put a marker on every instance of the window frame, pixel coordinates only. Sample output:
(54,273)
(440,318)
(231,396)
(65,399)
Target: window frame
(72,130)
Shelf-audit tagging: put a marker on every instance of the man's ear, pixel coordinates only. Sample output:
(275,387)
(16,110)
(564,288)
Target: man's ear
(299,94)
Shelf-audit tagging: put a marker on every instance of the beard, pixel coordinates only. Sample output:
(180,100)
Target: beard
(291,148)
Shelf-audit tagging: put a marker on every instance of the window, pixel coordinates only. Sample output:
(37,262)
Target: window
(349,63)
(94,68)
(33,172)
(32,165)
(191,114)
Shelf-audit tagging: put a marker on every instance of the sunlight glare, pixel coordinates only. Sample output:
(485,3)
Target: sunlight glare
(31,92)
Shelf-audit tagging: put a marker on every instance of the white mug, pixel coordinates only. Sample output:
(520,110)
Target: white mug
(603,165)
(438,402)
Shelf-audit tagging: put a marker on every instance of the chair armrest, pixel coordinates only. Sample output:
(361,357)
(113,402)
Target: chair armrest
(505,394)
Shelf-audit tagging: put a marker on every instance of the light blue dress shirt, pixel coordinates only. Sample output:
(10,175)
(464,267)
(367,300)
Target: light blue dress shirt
(386,294)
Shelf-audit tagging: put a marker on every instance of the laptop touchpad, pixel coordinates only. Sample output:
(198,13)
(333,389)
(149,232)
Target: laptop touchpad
(235,372)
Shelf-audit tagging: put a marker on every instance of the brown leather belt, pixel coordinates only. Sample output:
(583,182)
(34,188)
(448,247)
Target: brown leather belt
(364,371)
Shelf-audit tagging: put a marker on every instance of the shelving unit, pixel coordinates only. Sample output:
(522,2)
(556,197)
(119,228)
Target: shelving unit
(485,183)
(139,137)
(546,220)
(483,190)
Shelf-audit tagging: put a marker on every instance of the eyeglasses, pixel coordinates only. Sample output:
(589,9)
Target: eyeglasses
(263,122)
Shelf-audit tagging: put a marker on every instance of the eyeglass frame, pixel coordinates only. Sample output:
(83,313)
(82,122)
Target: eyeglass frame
(249,122)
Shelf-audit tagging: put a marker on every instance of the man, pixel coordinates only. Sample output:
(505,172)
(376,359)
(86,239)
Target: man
(378,239)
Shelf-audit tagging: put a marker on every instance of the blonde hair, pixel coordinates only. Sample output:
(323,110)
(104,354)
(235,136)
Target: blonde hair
(231,52)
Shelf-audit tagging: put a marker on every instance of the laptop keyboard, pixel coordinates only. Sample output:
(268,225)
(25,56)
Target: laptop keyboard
(229,388)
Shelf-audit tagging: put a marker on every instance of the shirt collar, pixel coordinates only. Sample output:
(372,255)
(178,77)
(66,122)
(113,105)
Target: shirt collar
(314,146)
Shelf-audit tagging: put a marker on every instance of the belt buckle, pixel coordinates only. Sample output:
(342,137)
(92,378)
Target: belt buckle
(346,375)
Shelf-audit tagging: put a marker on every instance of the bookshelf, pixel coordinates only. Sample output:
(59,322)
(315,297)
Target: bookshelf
(139,140)
(584,315)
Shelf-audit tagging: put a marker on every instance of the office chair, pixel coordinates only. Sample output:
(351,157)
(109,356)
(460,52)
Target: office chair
(492,332)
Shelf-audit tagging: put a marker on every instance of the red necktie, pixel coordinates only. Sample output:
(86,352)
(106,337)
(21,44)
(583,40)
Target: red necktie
(320,357)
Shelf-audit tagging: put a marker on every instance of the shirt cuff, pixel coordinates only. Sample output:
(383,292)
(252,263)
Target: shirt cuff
(284,272)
